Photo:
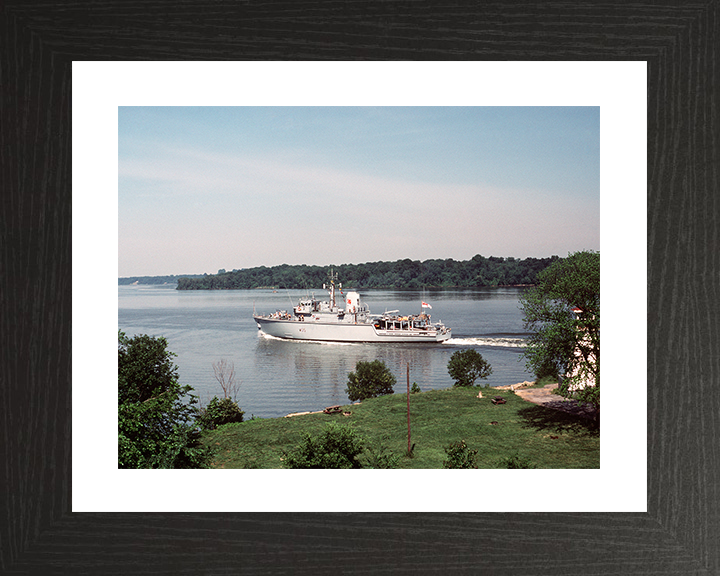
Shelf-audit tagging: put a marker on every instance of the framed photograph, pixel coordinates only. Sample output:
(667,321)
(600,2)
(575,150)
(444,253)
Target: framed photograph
(165,170)
(66,510)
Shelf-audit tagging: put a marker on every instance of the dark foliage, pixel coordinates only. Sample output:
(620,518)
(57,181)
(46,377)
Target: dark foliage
(337,446)
(156,415)
(562,314)
(410,274)
(370,380)
(380,457)
(154,280)
(218,412)
(517,462)
(466,366)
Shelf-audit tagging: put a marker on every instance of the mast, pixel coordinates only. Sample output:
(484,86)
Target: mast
(332,276)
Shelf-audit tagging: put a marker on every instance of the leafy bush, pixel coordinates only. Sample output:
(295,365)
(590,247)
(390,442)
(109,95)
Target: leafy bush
(466,366)
(460,456)
(219,412)
(337,446)
(184,450)
(414,389)
(380,457)
(589,395)
(516,461)
(370,380)
(156,415)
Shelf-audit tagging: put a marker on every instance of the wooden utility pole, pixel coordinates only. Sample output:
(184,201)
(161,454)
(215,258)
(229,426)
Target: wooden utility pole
(408,404)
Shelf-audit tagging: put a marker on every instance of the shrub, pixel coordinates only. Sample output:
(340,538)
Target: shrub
(337,446)
(466,366)
(219,412)
(380,457)
(516,461)
(370,379)
(185,450)
(156,415)
(414,389)
(589,395)
(460,456)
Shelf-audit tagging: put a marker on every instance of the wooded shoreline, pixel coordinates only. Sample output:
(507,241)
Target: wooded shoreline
(402,274)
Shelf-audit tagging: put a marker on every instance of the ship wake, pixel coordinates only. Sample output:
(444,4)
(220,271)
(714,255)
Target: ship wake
(495,341)
(265,336)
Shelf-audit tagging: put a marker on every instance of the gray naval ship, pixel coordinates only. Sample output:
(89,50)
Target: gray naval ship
(327,322)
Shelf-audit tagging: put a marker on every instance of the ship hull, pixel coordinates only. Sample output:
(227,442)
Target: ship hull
(344,332)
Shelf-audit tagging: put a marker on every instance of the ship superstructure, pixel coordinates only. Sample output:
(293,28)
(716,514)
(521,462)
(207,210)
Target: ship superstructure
(312,319)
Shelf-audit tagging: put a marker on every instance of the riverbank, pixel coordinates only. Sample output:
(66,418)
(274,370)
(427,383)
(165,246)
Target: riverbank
(540,435)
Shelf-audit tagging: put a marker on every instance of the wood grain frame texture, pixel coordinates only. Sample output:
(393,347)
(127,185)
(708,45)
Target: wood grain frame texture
(680,533)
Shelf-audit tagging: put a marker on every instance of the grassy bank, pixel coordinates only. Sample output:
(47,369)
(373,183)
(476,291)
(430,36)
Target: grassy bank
(544,437)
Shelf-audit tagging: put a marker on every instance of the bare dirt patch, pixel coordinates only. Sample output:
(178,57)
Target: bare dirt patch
(547,397)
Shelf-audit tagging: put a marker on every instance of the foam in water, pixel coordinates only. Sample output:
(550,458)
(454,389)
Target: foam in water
(262,334)
(488,341)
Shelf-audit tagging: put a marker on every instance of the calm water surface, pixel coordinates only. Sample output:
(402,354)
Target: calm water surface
(278,377)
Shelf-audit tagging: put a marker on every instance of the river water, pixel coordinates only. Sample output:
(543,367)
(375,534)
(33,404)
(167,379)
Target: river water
(278,377)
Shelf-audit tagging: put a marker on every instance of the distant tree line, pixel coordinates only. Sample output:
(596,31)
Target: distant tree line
(402,274)
(172,279)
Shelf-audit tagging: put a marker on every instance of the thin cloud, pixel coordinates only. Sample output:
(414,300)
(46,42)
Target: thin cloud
(195,207)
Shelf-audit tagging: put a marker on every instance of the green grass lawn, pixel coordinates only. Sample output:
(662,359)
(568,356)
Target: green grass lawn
(544,437)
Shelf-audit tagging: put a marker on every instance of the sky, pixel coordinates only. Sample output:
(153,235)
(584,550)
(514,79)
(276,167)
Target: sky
(208,188)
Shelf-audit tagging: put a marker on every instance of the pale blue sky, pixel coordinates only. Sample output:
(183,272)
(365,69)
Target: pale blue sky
(209,187)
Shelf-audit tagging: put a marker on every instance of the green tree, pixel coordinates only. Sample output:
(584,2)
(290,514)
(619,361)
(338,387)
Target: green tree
(145,368)
(466,366)
(562,314)
(336,447)
(370,379)
(479,271)
(156,415)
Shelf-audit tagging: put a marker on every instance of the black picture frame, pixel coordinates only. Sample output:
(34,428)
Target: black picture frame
(680,532)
